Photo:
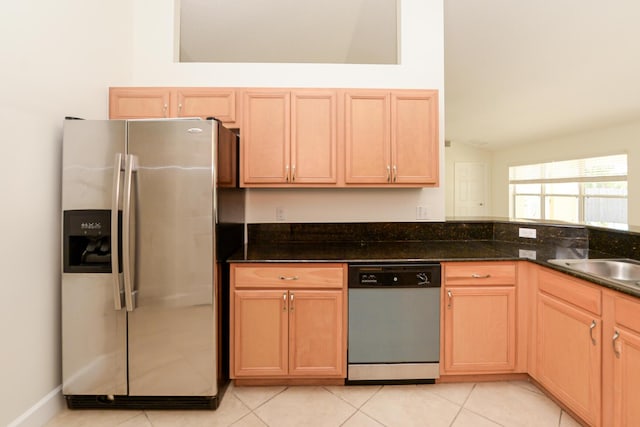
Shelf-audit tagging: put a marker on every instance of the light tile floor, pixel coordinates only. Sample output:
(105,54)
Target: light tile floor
(514,403)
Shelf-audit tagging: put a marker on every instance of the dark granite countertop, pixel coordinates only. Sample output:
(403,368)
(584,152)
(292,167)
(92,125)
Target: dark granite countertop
(479,239)
(423,251)
(454,250)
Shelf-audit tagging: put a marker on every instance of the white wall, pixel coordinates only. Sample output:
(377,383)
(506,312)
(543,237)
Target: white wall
(459,152)
(422,62)
(58,58)
(612,140)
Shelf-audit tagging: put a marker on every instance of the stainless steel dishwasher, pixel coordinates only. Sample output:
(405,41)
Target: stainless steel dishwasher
(394,323)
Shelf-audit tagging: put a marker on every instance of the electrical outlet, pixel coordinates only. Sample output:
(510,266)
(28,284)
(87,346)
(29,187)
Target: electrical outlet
(529,233)
(421,212)
(280,214)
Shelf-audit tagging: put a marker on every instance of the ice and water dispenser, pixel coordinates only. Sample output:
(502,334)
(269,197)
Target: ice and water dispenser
(87,241)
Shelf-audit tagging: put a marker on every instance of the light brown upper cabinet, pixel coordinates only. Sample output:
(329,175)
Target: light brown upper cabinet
(310,137)
(289,137)
(158,102)
(391,137)
(208,102)
(141,102)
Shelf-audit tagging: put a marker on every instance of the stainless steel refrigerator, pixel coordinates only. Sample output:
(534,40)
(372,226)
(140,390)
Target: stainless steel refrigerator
(150,210)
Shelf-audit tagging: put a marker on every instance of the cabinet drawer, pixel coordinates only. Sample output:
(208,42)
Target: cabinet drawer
(289,276)
(473,273)
(627,310)
(573,291)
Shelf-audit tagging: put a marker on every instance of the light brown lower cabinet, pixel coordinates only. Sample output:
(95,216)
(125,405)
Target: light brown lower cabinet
(288,322)
(582,340)
(479,316)
(569,343)
(586,341)
(621,357)
(578,340)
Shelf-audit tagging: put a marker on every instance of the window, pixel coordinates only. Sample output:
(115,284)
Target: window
(590,191)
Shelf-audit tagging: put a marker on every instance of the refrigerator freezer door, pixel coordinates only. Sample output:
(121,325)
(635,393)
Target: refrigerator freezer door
(88,151)
(172,326)
(93,332)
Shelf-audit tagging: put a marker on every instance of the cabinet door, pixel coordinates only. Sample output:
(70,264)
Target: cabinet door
(626,378)
(479,329)
(316,332)
(140,103)
(260,323)
(265,142)
(367,138)
(205,102)
(568,343)
(227,160)
(313,137)
(414,137)
(623,353)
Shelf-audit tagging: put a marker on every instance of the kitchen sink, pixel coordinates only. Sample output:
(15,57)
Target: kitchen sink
(624,271)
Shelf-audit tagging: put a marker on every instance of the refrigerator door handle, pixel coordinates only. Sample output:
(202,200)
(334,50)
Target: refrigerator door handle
(127,267)
(115,252)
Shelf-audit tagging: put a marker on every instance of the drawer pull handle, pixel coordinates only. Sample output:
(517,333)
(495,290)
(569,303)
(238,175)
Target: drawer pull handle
(615,338)
(288,277)
(480,276)
(591,328)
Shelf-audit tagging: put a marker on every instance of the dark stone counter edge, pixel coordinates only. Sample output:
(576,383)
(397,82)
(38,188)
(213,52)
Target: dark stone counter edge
(595,280)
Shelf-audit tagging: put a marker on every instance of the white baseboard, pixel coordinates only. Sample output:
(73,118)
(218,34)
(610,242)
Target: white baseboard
(41,412)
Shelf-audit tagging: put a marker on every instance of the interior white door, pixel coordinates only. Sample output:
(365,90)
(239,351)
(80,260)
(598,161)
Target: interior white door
(470,188)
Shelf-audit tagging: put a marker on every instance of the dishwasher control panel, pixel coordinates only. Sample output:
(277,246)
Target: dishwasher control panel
(394,275)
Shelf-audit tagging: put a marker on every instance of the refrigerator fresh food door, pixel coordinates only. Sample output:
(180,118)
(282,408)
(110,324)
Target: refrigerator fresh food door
(94,358)
(171,325)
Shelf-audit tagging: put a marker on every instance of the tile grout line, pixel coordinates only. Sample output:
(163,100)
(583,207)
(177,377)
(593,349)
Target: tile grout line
(246,406)
(473,412)
(560,418)
(357,408)
(253,411)
(363,413)
(349,403)
(461,406)
(147,417)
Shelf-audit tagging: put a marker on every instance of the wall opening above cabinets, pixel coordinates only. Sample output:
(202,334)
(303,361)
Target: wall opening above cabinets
(285,31)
